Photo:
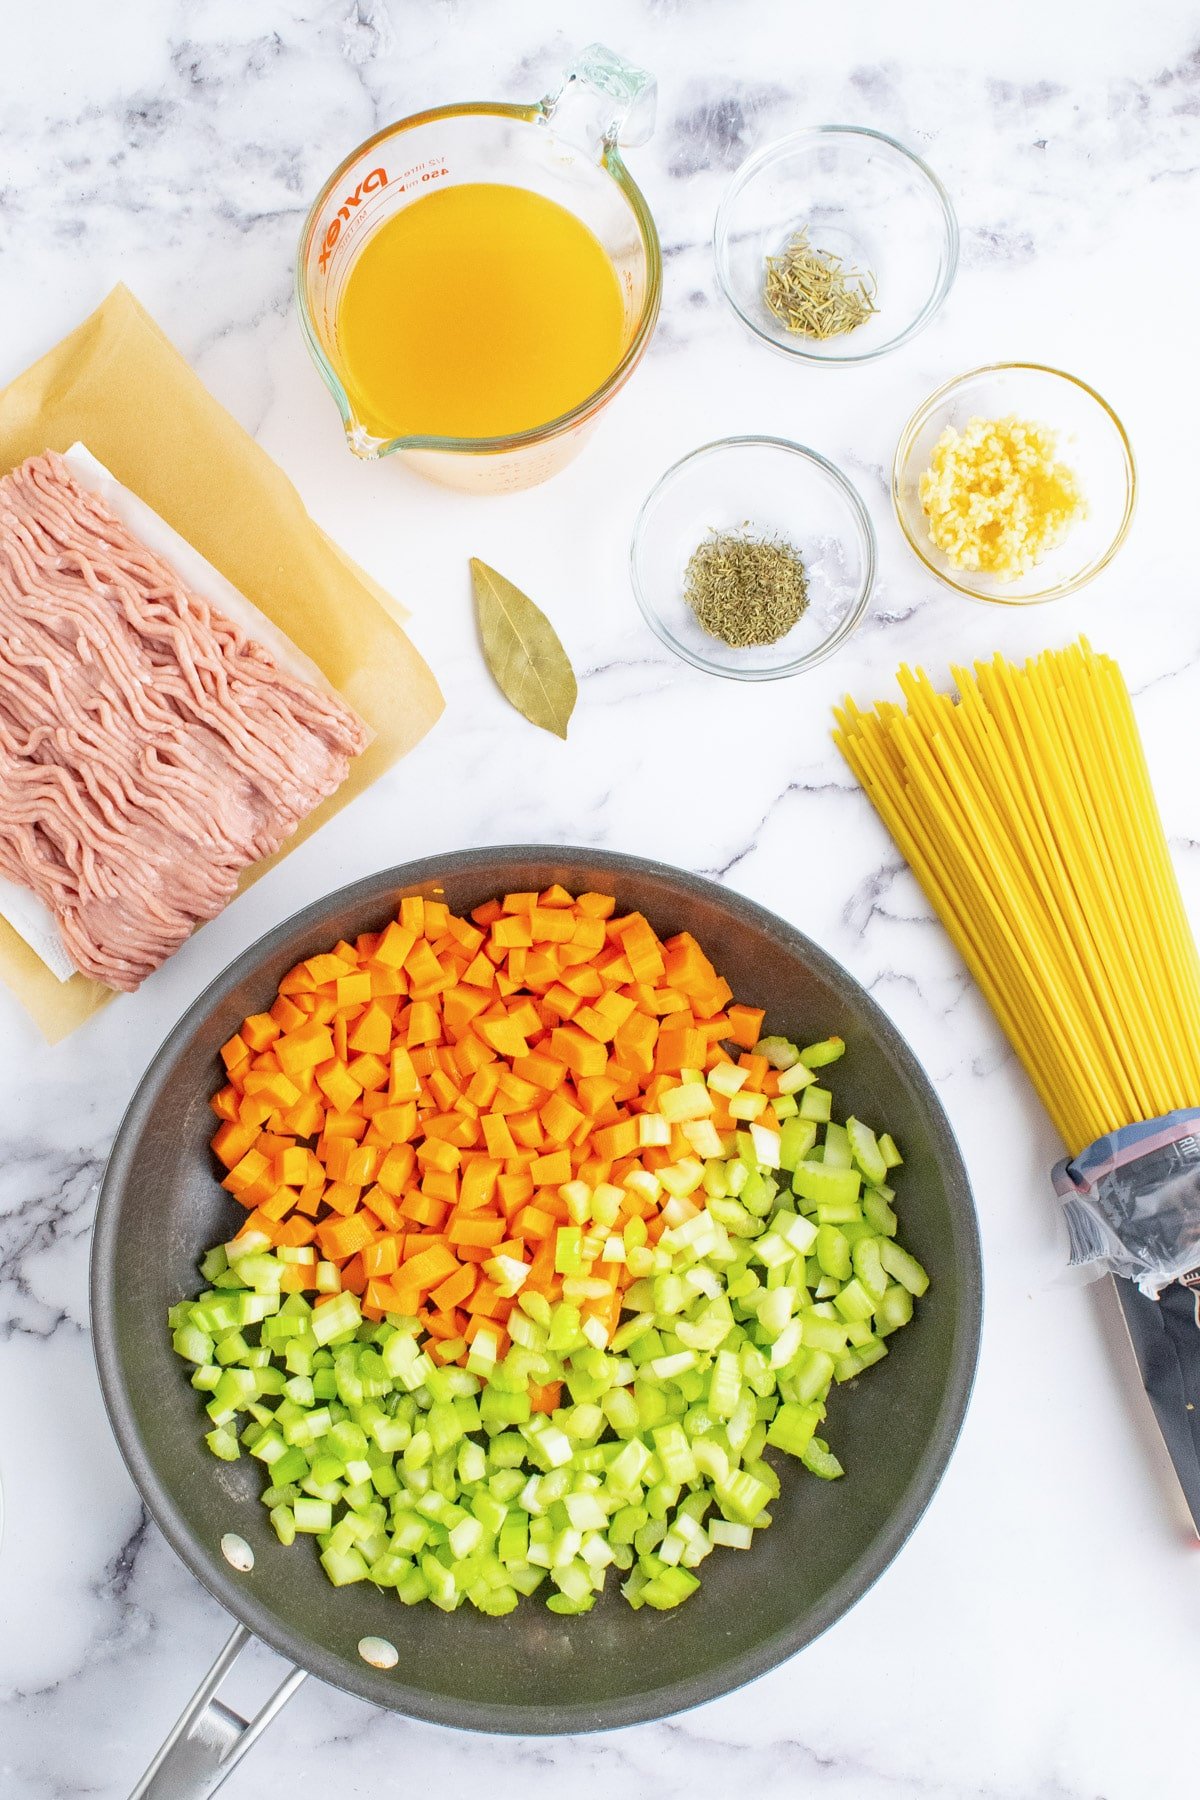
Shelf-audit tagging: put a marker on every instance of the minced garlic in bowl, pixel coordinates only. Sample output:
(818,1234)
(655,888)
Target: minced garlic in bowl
(997,497)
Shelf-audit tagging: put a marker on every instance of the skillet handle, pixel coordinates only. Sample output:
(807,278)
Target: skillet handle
(210,1738)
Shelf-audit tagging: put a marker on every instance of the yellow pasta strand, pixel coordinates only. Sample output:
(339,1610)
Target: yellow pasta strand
(1025,810)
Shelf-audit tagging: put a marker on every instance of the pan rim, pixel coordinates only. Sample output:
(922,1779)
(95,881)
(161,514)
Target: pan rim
(516,1719)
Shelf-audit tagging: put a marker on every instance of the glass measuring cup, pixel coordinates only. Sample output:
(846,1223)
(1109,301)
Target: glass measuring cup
(565,147)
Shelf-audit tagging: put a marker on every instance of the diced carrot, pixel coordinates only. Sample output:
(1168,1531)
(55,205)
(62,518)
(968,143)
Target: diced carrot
(429,1267)
(412,1102)
(475,1229)
(745,1025)
(581,1053)
(382,1257)
(455,1289)
(340,1238)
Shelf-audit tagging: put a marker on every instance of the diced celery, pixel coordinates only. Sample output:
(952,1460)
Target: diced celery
(796,1140)
(833,1253)
(816,1056)
(824,1185)
(888,1150)
(816,1103)
(867,1151)
(903,1268)
(820,1460)
(879,1214)
(895,1308)
(866,1254)
(338,1317)
(854,1302)
(837,1148)
(733,1535)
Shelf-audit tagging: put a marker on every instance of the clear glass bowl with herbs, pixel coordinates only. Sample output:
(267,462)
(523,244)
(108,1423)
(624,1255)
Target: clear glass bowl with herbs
(1082,436)
(835,245)
(753,557)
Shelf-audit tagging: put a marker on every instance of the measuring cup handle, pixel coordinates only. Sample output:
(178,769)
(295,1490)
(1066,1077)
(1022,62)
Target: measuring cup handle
(603,101)
(210,1738)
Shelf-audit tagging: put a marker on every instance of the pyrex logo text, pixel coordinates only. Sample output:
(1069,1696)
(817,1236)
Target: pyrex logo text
(370,184)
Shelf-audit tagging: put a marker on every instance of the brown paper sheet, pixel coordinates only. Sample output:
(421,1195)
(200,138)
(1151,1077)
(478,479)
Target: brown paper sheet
(119,386)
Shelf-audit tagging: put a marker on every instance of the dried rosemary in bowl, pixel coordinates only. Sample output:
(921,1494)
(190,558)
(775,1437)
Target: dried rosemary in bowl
(814,293)
(744,589)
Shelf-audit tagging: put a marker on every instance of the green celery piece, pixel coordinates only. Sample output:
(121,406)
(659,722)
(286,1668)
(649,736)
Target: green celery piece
(388,1569)
(824,1334)
(819,1459)
(794,1079)
(725,1385)
(795,1230)
(669,1589)
(816,1056)
(903,1268)
(743,1497)
(879,1214)
(894,1310)
(214,1263)
(284,1521)
(413,1588)
(888,1150)
(223,1444)
(674,1452)
(833,1253)
(291,1466)
(811,1372)
(312,1515)
(854,1302)
(192,1344)
(734,1536)
(779,1052)
(838,1212)
(825,1186)
(817,1103)
(866,1254)
(793,1426)
(562,1603)
(837,1147)
(758,1193)
(864,1146)
(337,1318)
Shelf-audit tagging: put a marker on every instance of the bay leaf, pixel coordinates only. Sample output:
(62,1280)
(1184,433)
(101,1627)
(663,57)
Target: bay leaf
(523,651)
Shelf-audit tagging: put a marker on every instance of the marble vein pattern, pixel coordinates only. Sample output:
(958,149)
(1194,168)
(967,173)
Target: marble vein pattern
(1039,1637)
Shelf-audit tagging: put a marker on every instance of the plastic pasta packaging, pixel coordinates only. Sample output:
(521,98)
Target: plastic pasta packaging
(1131,1201)
(1024,807)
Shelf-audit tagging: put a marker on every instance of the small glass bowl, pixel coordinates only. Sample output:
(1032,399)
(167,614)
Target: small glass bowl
(865,198)
(777,489)
(1091,439)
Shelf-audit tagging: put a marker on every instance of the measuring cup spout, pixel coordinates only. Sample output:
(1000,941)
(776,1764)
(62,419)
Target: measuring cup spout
(603,101)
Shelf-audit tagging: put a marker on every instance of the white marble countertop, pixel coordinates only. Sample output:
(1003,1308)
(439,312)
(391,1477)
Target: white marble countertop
(1038,1639)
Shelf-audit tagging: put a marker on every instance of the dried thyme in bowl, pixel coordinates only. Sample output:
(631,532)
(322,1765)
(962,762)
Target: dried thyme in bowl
(813,292)
(744,589)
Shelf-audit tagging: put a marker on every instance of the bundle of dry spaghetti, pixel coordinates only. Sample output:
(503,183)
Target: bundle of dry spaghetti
(1025,810)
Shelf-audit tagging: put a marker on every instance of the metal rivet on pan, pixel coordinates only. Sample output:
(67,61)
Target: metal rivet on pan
(378,1652)
(237,1552)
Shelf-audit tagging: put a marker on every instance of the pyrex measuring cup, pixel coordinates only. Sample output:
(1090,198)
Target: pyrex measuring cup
(564,147)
